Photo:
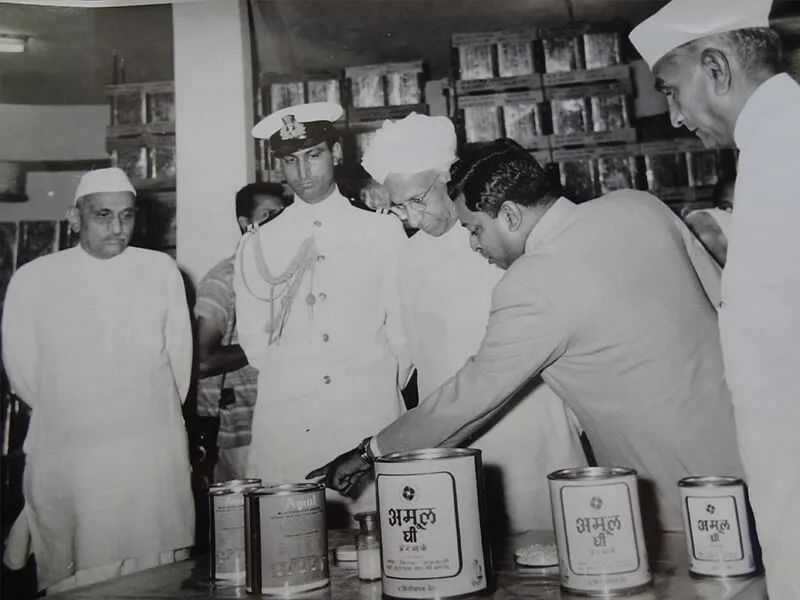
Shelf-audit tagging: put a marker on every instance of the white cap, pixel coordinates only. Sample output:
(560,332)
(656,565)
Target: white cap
(683,21)
(288,121)
(413,144)
(111,179)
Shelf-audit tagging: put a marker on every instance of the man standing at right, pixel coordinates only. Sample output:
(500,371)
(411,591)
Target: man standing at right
(718,64)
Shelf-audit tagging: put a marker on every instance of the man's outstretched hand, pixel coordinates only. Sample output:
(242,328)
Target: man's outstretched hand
(344,472)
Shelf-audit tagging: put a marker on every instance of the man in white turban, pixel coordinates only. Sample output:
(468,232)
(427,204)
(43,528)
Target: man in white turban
(445,292)
(719,64)
(97,342)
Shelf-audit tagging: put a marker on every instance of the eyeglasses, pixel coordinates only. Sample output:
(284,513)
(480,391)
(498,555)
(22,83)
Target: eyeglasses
(416,203)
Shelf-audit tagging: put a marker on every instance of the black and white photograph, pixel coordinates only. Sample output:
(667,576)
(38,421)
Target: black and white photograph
(399,299)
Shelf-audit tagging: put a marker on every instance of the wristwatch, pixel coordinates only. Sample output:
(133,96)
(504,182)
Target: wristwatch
(365,450)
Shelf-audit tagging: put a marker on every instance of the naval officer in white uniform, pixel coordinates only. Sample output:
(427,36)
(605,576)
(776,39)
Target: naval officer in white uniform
(316,308)
(719,64)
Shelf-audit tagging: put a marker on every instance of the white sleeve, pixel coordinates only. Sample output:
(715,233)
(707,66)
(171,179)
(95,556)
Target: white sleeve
(20,344)
(179,341)
(396,314)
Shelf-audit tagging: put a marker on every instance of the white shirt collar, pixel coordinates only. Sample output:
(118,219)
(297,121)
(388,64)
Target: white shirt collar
(331,204)
(561,210)
(761,102)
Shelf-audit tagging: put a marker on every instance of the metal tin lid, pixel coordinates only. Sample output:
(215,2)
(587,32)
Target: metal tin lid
(710,481)
(583,473)
(428,454)
(285,489)
(234,486)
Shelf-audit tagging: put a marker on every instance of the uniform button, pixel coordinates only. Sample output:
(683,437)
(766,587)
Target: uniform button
(317,223)
(323,296)
(325,337)
(321,258)
(326,379)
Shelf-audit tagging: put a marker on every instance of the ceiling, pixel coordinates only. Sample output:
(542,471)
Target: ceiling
(71,49)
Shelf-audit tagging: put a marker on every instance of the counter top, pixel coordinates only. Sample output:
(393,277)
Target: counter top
(189,579)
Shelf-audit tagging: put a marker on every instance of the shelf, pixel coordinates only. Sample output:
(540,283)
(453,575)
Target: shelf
(499,84)
(609,88)
(677,145)
(615,73)
(124,131)
(593,152)
(502,99)
(380,113)
(626,135)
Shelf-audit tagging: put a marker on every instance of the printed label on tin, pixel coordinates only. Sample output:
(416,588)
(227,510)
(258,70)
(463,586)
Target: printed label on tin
(229,534)
(419,523)
(715,530)
(294,547)
(598,521)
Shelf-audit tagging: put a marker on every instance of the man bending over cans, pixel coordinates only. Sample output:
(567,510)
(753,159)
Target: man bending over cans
(603,301)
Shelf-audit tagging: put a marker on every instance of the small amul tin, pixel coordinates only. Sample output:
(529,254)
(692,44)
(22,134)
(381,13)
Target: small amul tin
(226,529)
(286,543)
(431,511)
(717,527)
(599,535)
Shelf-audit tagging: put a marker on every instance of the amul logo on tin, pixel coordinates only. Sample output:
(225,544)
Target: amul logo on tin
(411,520)
(301,504)
(599,528)
(419,527)
(715,528)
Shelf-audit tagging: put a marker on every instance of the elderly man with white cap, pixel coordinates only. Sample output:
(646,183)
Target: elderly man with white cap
(317,309)
(718,63)
(97,341)
(446,290)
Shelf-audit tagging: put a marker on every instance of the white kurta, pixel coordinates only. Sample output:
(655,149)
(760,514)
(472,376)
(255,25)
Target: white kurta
(760,322)
(101,350)
(446,292)
(332,379)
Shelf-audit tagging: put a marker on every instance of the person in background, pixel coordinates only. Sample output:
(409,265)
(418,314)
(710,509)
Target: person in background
(97,341)
(601,299)
(719,65)
(445,291)
(317,310)
(712,225)
(228,385)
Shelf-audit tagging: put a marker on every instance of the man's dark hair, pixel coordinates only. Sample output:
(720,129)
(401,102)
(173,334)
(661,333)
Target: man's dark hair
(759,49)
(490,173)
(246,197)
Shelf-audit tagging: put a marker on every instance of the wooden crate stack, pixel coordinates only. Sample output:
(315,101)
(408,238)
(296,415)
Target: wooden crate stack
(588,87)
(375,93)
(498,89)
(141,141)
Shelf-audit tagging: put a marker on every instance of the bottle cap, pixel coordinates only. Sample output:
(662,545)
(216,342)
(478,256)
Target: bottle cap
(368,521)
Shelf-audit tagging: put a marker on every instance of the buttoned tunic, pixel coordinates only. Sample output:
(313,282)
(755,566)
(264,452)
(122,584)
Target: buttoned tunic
(760,321)
(333,375)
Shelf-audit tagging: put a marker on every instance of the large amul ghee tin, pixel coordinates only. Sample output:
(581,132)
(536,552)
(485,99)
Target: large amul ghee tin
(431,510)
(599,534)
(717,527)
(286,542)
(226,529)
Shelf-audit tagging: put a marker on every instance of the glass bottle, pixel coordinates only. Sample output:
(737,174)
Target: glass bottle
(368,546)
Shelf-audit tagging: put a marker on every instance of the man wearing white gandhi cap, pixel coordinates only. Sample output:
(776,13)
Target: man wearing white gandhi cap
(718,63)
(317,310)
(97,341)
(445,291)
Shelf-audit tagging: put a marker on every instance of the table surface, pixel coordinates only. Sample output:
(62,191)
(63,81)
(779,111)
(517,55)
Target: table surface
(189,579)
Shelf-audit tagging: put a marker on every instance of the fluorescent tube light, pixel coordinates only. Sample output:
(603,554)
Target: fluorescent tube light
(12,43)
